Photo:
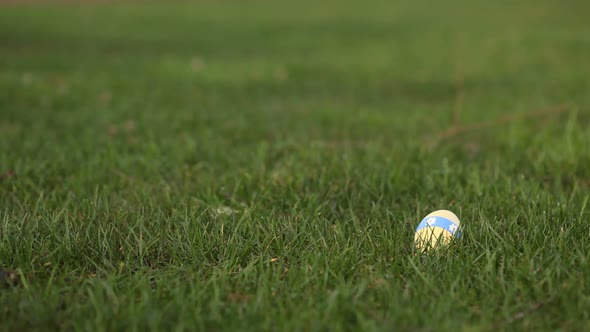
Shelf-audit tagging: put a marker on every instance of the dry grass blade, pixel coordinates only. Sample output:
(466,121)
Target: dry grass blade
(520,315)
(457,130)
(459,97)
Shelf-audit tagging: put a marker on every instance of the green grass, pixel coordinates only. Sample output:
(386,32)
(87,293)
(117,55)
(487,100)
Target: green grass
(260,165)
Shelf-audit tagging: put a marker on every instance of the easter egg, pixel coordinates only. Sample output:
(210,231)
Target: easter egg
(437,229)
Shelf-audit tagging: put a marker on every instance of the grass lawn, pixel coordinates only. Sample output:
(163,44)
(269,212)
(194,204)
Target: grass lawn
(262,165)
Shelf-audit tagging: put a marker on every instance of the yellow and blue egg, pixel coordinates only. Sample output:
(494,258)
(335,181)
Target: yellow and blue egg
(437,229)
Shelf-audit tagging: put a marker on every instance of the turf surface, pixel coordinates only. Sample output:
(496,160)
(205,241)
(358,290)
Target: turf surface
(262,165)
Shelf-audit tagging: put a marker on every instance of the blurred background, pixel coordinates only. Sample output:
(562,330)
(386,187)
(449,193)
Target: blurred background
(177,88)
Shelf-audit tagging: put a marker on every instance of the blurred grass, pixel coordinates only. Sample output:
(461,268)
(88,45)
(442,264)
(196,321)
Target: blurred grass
(262,165)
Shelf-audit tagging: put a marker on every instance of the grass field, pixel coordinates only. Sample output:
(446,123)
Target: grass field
(262,165)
